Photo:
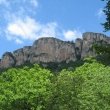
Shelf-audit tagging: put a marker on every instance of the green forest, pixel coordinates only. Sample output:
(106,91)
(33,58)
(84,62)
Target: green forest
(86,87)
(80,85)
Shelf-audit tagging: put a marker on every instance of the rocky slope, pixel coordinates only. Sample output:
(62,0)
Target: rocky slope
(53,50)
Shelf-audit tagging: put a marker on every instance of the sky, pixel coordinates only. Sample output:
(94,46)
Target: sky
(24,21)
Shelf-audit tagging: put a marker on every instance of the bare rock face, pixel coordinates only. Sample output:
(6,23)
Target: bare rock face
(18,54)
(22,55)
(53,50)
(7,60)
(78,48)
(26,53)
(89,38)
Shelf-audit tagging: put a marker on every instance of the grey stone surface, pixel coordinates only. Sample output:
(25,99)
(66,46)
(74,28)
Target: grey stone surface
(53,50)
(89,38)
(78,48)
(7,60)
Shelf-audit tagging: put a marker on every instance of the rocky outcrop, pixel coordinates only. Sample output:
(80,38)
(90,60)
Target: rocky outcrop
(89,38)
(53,50)
(22,55)
(7,60)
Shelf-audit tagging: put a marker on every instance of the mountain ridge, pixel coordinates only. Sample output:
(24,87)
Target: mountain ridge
(49,49)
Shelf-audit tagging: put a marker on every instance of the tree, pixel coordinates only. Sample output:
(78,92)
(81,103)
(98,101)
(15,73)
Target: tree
(107,14)
(25,88)
(102,48)
(86,88)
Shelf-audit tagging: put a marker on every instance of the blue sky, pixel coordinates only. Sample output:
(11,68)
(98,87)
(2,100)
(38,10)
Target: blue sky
(23,21)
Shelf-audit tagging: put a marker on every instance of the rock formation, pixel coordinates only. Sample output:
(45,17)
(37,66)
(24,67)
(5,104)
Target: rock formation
(89,39)
(53,50)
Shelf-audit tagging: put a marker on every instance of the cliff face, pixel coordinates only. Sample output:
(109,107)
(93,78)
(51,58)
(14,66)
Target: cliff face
(53,50)
(89,39)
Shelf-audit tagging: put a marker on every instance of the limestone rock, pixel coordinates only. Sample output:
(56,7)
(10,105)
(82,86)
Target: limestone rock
(78,48)
(26,53)
(7,60)
(89,38)
(19,56)
(45,50)
(52,50)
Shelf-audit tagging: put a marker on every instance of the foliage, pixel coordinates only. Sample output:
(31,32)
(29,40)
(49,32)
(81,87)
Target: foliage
(95,89)
(107,14)
(85,88)
(102,48)
(25,89)
(56,67)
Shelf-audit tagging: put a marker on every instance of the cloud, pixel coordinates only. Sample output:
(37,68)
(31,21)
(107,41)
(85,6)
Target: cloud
(100,13)
(20,30)
(72,34)
(19,8)
(32,2)
(49,30)
(21,23)
(30,29)
(18,41)
(24,29)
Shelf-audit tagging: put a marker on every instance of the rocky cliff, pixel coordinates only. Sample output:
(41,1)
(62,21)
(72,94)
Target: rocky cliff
(53,50)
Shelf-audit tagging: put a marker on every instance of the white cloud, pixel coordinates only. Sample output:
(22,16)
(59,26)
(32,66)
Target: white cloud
(29,29)
(20,30)
(18,41)
(48,30)
(19,8)
(72,35)
(100,13)
(24,29)
(32,2)
(22,24)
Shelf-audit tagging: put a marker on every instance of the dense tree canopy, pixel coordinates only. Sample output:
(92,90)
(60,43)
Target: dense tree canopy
(85,88)
(107,14)
(25,89)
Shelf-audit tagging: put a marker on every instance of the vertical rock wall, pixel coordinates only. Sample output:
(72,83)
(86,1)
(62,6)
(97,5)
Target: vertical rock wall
(53,50)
